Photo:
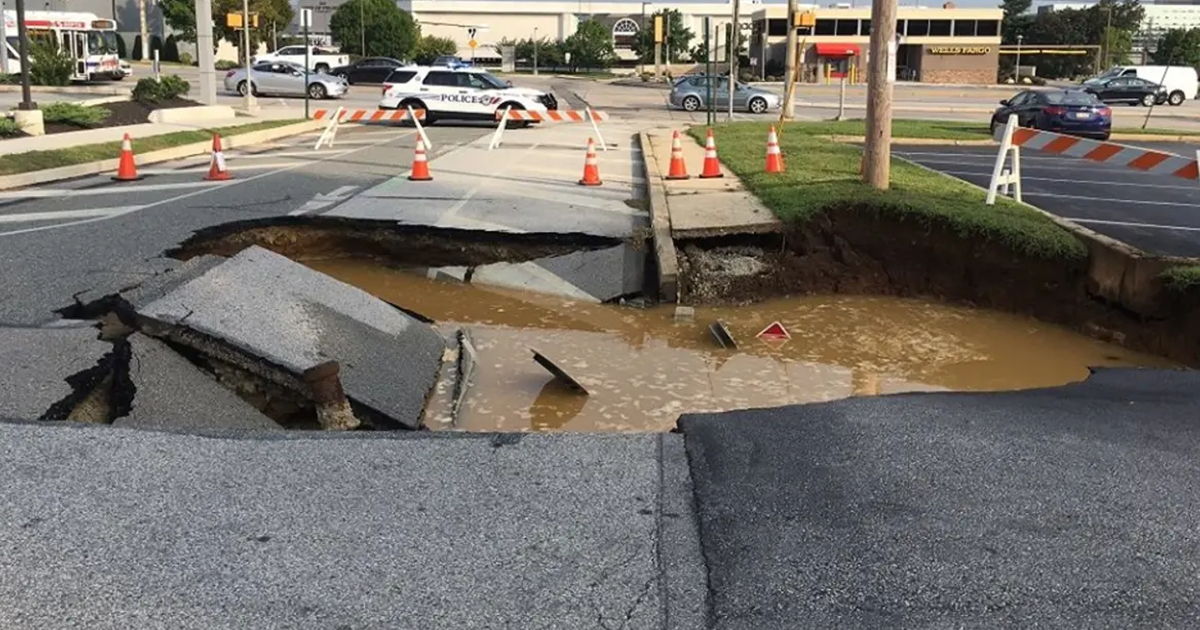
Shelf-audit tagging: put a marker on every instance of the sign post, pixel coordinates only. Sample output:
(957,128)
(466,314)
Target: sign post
(710,116)
(306,22)
(472,44)
(658,38)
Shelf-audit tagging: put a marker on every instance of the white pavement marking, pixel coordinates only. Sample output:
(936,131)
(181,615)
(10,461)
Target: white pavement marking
(1140,225)
(204,168)
(324,158)
(37,193)
(310,153)
(1078,181)
(321,201)
(1133,202)
(30,217)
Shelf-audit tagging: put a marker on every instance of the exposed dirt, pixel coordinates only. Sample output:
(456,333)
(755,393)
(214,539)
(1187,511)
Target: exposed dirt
(124,113)
(409,245)
(860,252)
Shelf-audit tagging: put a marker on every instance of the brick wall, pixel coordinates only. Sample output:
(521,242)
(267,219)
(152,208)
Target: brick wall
(973,76)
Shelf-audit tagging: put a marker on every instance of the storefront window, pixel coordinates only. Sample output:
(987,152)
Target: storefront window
(918,28)
(987,28)
(865,28)
(777,27)
(939,28)
(847,27)
(826,27)
(964,28)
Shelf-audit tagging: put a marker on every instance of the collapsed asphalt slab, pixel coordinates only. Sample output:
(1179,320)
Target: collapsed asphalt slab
(1071,507)
(592,276)
(277,318)
(169,393)
(363,530)
(47,372)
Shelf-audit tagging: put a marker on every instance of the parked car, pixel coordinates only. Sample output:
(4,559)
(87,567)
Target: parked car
(1130,90)
(1181,82)
(1074,112)
(692,94)
(369,70)
(319,59)
(459,93)
(280,78)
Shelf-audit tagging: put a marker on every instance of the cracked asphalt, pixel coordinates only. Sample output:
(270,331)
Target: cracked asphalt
(1065,507)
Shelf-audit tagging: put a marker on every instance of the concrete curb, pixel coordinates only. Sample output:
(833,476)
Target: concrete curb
(70,89)
(1117,271)
(1119,137)
(660,223)
(33,178)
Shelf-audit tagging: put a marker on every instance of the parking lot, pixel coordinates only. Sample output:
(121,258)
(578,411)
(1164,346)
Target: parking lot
(1159,214)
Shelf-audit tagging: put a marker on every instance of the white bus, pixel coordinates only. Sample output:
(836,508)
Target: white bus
(90,41)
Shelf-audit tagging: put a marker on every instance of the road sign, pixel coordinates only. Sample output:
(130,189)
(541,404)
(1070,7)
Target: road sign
(774,331)
(472,44)
(306,18)
(471,33)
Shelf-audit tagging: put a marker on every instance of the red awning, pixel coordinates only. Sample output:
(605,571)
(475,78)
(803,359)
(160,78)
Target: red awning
(837,50)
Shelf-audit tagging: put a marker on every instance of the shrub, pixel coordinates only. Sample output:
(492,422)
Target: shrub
(122,51)
(156,43)
(225,64)
(170,87)
(775,68)
(185,58)
(9,127)
(8,79)
(48,65)
(170,50)
(136,53)
(74,114)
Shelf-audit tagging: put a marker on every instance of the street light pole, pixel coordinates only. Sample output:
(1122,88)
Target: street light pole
(1108,39)
(362,29)
(250,103)
(535,51)
(1017,70)
(789,64)
(734,47)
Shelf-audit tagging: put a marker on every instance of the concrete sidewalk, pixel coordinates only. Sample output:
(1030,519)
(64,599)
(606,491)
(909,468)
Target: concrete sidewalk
(701,208)
(529,184)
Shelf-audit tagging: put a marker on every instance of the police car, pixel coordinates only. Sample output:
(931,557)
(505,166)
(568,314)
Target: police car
(458,94)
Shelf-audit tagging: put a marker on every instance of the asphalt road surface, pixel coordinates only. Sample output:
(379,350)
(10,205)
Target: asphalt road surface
(96,235)
(1156,213)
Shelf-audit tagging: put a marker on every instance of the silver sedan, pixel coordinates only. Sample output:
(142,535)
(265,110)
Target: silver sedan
(691,94)
(280,78)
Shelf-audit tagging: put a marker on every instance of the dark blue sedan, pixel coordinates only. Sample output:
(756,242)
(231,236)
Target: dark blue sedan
(1072,112)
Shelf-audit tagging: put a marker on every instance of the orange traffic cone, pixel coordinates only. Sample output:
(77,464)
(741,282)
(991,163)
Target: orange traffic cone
(420,165)
(712,167)
(678,167)
(126,169)
(216,170)
(774,158)
(591,167)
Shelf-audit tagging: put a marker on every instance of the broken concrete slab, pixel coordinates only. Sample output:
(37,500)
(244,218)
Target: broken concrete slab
(464,371)
(559,373)
(720,330)
(48,372)
(447,274)
(276,318)
(591,276)
(171,394)
(161,284)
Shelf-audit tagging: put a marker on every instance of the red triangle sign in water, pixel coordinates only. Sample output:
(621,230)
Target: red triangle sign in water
(774,331)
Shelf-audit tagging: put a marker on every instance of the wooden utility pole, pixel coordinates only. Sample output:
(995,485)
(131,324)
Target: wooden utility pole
(877,155)
(734,46)
(789,82)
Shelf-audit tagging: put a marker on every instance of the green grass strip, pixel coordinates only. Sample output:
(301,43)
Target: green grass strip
(82,154)
(822,176)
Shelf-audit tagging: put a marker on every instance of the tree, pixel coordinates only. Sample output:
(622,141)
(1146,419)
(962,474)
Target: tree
(180,15)
(1109,24)
(389,31)
(1016,21)
(549,51)
(430,48)
(678,40)
(591,46)
(1178,47)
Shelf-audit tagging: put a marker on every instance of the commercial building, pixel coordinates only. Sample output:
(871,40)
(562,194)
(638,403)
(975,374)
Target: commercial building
(936,45)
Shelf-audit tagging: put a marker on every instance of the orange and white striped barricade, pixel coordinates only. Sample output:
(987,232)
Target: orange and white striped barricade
(548,116)
(342,115)
(1013,138)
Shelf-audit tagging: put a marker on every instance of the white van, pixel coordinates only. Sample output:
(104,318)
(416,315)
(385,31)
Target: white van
(1180,82)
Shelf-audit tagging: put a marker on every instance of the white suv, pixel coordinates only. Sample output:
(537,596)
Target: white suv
(458,94)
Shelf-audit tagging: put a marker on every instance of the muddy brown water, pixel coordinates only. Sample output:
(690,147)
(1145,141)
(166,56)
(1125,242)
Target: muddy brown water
(643,369)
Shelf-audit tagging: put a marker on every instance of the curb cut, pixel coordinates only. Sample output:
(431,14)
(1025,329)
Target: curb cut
(33,178)
(660,223)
